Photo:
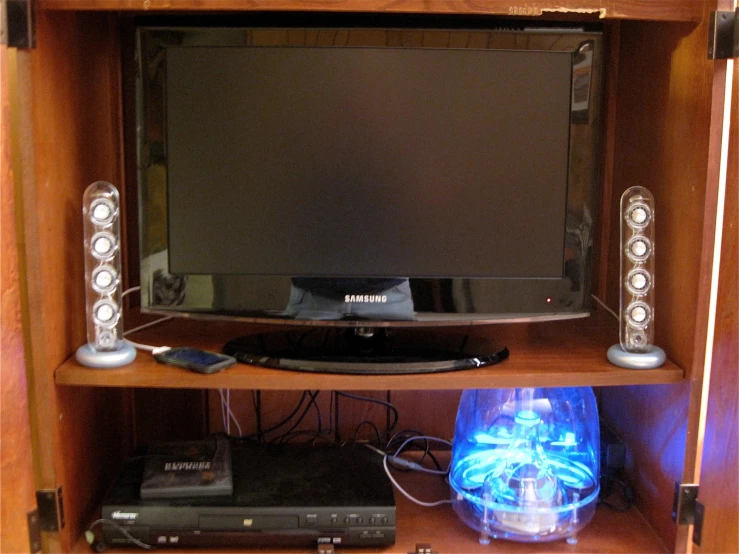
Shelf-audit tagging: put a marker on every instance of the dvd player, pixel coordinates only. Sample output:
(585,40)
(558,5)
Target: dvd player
(282,496)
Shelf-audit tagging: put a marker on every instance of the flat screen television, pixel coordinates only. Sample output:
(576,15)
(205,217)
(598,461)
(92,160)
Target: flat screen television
(367,174)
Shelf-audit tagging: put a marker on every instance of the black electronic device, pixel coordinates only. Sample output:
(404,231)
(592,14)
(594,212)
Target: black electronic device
(282,496)
(195,359)
(367,176)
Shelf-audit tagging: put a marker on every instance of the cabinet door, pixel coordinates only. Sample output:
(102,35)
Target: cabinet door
(16,483)
(719,487)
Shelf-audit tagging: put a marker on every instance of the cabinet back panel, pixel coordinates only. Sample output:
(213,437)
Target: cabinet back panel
(430,412)
(662,129)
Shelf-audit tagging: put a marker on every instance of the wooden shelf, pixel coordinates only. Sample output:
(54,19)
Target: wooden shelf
(665,10)
(609,532)
(563,353)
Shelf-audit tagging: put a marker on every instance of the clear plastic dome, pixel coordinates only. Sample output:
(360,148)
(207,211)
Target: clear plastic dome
(525,462)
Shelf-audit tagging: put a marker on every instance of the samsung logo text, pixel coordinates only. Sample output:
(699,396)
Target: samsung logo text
(365,299)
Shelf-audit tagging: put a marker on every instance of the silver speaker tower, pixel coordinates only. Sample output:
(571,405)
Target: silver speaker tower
(636,349)
(105,346)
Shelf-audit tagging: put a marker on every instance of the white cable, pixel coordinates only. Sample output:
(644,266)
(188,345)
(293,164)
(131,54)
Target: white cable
(606,308)
(423,438)
(236,421)
(121,530)
(228,407)
(129,291)
(223,411)
(408,496)
(148,347)
(227,414)
(147,325)
(396,459)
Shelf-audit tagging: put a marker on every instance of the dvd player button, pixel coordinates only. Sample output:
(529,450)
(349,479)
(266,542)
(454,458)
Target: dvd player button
(384,520)
(372,535)
(360,520)
(373,520)
(347,519)
(311,520)
(334,520)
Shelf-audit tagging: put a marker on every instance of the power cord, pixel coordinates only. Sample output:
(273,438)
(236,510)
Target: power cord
(100,545)
(398,461)
(139,346)
(388,405)
(227,414)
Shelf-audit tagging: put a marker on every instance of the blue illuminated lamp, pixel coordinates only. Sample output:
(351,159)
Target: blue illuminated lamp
(525,462)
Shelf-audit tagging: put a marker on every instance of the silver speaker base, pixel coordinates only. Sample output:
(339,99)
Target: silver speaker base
(651,359)
(89,357)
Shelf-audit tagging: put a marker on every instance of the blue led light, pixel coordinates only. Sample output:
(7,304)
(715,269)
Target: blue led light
(525,462)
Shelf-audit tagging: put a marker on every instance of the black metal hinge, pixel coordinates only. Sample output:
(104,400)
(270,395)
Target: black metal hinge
(17,23)
(723,35)
(34,531)
(50,509)
(688,510)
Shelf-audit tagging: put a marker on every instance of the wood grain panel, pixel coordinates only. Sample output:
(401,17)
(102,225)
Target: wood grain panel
(537,359)
(16,466)
(429,412)
(652,421)
(432,413)
(719,482)
(71,98)
(669,10)
(168,415)
(662,98)
(310,421)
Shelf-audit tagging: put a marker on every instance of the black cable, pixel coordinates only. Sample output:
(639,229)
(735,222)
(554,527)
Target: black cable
(257,398)
(362,424)
(313,434)
(285,420)
(387,415)
(331,414)
(318,412)
(337,434)
(401,436)
(312,400)
(374,401)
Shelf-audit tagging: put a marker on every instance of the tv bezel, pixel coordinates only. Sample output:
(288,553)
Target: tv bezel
(452,301)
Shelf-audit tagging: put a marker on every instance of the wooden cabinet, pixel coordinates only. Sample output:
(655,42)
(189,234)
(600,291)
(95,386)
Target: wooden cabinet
(664,115)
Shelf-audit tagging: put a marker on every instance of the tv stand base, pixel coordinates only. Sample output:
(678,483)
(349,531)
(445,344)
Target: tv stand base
(365,350)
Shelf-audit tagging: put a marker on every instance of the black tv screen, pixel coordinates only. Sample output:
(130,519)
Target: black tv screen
(346,167)
(367,162)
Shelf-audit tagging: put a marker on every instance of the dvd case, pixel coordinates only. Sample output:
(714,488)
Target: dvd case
(188,469)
